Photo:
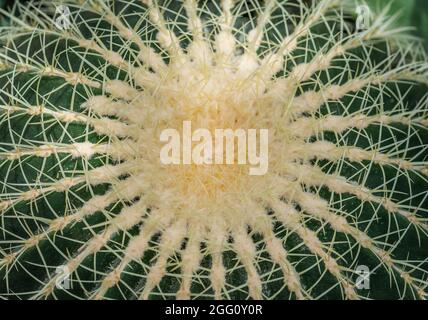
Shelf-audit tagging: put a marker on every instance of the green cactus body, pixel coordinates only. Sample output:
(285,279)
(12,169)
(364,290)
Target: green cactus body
(85,195)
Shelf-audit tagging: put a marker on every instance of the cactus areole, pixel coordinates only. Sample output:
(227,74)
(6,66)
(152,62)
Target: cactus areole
(305,179)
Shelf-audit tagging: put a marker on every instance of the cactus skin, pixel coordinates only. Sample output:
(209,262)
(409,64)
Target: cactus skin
(83,188)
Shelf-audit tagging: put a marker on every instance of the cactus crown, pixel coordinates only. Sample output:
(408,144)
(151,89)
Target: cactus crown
(83,189)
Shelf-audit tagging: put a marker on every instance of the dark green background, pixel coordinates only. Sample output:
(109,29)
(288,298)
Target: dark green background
(412,12)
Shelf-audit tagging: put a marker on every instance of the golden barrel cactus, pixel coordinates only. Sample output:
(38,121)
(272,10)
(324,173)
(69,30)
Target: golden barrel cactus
(88,210)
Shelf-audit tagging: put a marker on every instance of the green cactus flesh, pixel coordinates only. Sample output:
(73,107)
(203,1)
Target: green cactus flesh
(83,188)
